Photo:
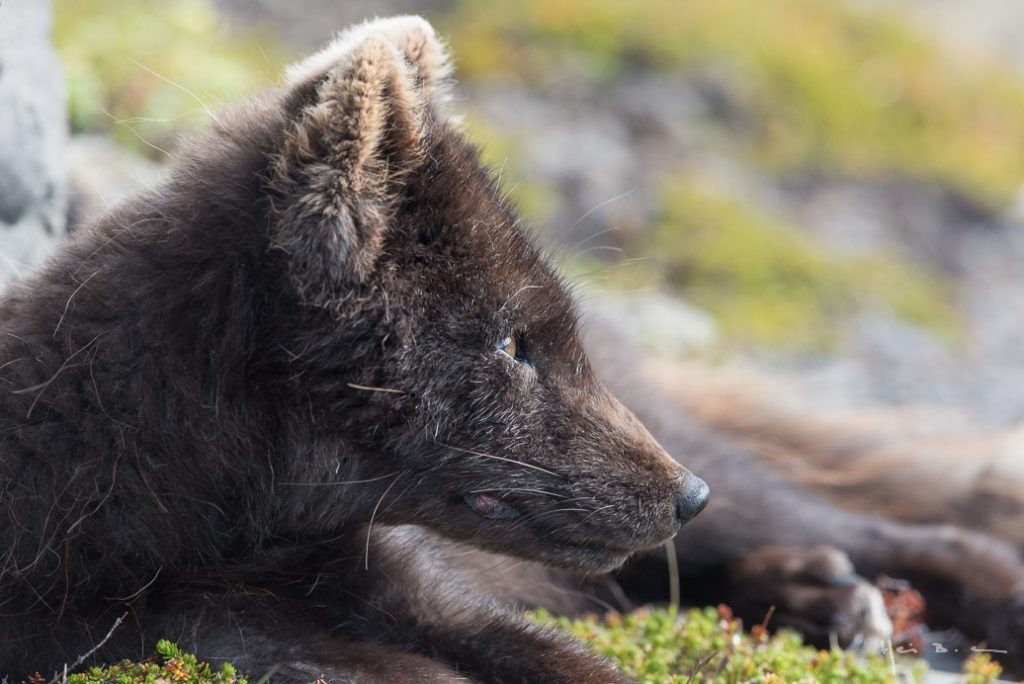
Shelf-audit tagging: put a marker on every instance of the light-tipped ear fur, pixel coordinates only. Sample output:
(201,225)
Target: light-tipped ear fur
(343,156)
(411,35)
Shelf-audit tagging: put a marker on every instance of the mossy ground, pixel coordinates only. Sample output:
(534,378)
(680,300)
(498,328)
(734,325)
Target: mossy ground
(699,646)
(169,666)
(708,646)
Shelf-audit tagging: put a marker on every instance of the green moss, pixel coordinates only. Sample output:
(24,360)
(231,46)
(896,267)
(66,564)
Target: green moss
(654,646)
(767,283)
(821,84)
(175,668)
(147,70)
(704,647)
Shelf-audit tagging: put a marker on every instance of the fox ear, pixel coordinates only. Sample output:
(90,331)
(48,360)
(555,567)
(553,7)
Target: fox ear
(367,97)
(412,36)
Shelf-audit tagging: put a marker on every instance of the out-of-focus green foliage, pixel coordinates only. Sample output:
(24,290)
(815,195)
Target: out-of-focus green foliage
(813,84)
(146,70)
(500,152)
(703,647)
(768,283)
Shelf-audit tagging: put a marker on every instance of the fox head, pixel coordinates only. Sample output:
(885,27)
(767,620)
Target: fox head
(433,336)
(329,309)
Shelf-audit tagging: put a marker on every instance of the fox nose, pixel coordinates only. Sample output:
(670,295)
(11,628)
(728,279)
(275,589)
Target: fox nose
(692,499)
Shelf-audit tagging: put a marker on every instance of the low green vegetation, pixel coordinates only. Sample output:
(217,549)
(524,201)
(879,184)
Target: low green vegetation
(708,646)
(705,646)
(174,667)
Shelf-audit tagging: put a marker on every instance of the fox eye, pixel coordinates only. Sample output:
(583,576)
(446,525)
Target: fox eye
(511,347)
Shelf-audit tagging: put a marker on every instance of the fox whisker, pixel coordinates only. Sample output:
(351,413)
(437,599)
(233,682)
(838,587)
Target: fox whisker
(369,528)
(501,458)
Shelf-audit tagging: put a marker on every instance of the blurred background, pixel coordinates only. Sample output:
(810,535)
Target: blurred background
(823,194)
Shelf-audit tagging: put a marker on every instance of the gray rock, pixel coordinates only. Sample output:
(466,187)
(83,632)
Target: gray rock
(33,137)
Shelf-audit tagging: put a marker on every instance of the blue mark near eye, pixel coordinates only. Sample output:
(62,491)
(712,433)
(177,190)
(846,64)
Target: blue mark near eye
(512,348)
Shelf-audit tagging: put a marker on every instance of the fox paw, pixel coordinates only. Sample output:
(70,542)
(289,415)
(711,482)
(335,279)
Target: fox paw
(812,590)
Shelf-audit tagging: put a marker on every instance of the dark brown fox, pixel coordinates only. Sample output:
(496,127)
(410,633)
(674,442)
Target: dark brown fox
(291,407)
(325,322)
